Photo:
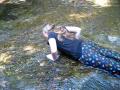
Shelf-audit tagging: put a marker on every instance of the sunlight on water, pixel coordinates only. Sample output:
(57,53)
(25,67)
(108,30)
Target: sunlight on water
(78,16)
(5,57)
(102,3)
(2,68)
(29,49)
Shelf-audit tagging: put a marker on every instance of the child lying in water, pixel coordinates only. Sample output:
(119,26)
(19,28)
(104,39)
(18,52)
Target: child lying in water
(87,52)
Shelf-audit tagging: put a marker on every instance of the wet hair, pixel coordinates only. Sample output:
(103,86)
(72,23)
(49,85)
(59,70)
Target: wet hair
(53,28)
(65,33)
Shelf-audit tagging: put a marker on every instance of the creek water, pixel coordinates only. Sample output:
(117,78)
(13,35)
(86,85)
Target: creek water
(23,65)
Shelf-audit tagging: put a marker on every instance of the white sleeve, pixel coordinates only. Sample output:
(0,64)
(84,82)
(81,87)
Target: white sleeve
(53,45)
(73,29)
(77,30)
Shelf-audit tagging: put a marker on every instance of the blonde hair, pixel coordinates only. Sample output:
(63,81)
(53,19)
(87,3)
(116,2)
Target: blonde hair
(62,31)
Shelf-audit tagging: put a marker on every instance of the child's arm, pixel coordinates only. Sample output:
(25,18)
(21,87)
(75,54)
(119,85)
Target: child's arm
(77,30)
(53,47)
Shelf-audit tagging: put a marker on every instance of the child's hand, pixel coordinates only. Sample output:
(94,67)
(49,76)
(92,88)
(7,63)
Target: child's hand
(50,57)
(48,27)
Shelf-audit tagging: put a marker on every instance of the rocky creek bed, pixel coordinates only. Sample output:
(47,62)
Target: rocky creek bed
(23,65)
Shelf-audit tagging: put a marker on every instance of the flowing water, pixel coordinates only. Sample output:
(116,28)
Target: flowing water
(23,65)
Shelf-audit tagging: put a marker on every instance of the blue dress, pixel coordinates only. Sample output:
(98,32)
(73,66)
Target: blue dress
(89,53)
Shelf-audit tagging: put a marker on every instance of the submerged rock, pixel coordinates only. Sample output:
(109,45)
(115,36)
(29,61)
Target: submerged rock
(4,36)
(93,81)
(102,37)
(108,39)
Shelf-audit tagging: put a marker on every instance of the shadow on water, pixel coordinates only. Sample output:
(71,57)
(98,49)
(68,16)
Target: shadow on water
(23,65)
(5,12)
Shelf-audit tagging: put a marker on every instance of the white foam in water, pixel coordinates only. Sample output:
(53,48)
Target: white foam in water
(112,38)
